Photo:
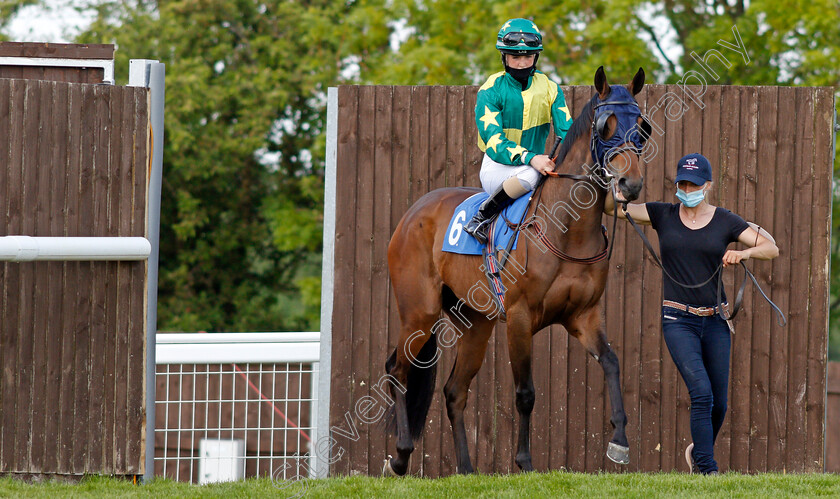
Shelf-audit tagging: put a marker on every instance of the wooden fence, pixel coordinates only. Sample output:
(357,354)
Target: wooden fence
(770,148)
(73,162)
(79,61)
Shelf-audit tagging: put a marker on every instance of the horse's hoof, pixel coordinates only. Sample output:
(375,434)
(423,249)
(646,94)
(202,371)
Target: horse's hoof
(387,470)
(467,470)
(525,467)
(618,453)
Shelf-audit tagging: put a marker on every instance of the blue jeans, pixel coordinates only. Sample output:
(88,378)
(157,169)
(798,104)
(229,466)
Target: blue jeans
(700,348)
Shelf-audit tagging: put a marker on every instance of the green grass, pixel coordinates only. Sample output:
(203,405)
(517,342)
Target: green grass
(552,484)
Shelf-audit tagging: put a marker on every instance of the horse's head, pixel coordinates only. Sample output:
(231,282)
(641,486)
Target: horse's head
(619,133)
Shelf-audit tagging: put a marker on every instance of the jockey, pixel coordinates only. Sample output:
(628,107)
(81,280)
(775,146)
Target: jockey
(512,111)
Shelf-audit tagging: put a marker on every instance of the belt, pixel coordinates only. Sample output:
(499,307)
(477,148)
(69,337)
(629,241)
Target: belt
(701,311)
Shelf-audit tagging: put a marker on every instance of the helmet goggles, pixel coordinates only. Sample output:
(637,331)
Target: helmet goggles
(519,38)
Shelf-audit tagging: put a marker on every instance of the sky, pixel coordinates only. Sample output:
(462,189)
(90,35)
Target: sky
(57,22)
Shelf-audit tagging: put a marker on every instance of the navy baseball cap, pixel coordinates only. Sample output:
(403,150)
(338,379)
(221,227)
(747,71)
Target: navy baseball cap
(694,168)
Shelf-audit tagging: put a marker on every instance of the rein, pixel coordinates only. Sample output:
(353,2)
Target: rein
(739,298)
(541,234)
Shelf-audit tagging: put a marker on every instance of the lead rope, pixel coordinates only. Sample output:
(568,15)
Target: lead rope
(781,320)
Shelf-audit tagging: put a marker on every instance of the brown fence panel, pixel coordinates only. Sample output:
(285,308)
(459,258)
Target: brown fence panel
(56,71)
(767,145)
(832,411)
(73,162)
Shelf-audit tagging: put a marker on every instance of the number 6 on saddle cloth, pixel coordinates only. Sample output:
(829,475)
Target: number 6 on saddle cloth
(458,241)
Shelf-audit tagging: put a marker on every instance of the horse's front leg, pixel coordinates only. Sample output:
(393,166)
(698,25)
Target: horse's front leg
(619,449)
(519,347)
(588,330)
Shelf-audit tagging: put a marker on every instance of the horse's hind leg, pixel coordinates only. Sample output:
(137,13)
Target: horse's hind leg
(471,347)
(587,329)
(413,366)
(414,371)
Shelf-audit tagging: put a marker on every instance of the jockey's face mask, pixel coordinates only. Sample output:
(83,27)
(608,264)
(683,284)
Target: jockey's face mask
(628,130)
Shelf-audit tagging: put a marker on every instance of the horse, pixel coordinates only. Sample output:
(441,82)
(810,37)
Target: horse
(427,281)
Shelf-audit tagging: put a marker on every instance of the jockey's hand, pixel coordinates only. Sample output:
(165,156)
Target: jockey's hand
(542,163)
(733,257)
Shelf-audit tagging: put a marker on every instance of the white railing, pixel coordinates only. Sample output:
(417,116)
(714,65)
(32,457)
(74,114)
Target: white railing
(28,249)
(231,405)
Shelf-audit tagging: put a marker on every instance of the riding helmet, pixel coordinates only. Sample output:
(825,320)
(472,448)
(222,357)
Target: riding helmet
(519,37)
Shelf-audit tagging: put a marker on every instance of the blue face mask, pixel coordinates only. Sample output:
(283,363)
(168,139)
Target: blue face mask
(691,199)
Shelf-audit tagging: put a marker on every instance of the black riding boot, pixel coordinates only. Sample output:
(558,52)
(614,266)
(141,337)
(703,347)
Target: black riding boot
(480,223)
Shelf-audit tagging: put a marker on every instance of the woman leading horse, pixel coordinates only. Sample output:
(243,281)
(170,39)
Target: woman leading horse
(693,239)
(428,282)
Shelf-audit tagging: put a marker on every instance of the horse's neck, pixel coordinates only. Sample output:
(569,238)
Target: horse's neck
(572,208)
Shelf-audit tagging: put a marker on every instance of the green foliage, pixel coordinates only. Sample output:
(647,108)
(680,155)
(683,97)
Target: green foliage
(788,41)
(453,42)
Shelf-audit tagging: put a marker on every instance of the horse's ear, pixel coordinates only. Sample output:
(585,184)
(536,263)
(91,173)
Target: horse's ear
(601,83)
(638,82)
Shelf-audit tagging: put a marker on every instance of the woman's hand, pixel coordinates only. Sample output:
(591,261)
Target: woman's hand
(733,257)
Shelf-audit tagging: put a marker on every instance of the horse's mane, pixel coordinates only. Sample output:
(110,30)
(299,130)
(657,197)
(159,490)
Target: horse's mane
(579,127)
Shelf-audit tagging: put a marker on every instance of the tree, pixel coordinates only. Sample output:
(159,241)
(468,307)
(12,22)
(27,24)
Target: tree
(453,42)
(243,162)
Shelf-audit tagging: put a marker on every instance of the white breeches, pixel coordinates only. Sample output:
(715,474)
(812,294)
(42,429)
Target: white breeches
(493,174)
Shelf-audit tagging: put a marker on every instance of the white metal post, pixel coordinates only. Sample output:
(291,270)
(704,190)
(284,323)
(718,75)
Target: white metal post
(152,74)
(327,283)
(313,419)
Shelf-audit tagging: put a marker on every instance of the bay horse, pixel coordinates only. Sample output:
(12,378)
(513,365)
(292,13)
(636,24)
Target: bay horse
(428,281)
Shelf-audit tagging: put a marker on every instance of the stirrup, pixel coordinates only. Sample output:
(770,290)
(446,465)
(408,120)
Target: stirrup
(480,230)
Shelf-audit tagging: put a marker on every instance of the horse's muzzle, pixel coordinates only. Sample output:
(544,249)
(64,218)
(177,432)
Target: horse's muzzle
(630,188)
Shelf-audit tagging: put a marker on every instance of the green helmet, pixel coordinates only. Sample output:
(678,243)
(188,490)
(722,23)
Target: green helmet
(519,37)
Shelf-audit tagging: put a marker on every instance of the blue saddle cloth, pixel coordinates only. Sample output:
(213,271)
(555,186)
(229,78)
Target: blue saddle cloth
(458,241)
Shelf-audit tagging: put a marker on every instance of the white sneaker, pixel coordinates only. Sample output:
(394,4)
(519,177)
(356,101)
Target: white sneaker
(689,458)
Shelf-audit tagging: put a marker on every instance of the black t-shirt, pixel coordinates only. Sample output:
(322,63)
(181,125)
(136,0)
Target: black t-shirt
(691,256)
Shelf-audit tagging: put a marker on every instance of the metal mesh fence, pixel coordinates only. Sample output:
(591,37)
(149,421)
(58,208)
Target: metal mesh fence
(226,421)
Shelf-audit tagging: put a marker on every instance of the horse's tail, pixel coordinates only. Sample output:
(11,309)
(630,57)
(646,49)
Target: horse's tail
(419,390)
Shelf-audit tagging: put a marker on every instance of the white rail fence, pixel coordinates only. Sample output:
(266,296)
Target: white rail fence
(236,405)
(29,249)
